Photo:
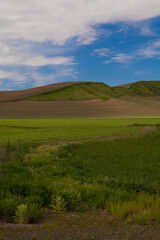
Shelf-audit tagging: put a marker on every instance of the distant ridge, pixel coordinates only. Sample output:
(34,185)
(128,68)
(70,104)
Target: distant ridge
(80,91)
(6,96)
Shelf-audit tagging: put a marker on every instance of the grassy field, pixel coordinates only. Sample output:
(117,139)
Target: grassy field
(43,130)
(48,167)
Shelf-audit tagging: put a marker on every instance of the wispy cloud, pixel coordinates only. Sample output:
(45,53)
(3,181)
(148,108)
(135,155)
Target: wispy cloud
(112,56)
(103,52)
(144,28)
(150,50)
(121,58)
(142,72)
(12,79)
(147,31)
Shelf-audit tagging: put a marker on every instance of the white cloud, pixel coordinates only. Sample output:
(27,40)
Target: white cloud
(22,63)
(121,58)
(104,52)
(150,50)
(42,61)
(13,79)
(112,56)
(27,25)
(4,74)
(61,20)
(23,55)
(146,30)
(50,78)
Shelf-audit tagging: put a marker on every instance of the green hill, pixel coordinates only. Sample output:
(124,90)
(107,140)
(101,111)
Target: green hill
(98,90)
(146,88)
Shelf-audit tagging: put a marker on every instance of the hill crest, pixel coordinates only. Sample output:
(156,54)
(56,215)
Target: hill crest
(77,91)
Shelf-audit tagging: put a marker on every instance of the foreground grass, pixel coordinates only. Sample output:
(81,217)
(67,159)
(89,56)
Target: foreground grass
(43,130)
(121,176)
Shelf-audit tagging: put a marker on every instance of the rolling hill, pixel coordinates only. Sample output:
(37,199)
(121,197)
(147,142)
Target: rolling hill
(82,99)
(95,90)
(82,91)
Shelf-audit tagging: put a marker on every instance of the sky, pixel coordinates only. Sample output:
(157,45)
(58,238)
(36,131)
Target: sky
(111,41)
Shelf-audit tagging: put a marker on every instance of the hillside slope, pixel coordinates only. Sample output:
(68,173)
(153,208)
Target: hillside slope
(77,91)
(97,90)
(7,96)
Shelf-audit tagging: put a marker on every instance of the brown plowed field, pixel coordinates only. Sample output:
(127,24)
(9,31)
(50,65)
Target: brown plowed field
(124,106)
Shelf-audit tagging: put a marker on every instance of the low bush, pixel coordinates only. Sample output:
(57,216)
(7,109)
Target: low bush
(121,210)
(58,204)
(28,213)
(143,217)
(8,207)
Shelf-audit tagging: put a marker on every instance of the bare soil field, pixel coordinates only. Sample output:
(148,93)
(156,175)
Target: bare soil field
(124,106)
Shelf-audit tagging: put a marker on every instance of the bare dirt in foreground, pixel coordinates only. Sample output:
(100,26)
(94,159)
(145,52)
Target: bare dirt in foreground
(84,226)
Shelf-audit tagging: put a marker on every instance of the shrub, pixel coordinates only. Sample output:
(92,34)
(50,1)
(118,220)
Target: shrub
(73,199)
(34,199)
(58,204)
(143,217)
(145,200)
(156,215)
(120,210)
(8,207)
(40,188)
(28,213)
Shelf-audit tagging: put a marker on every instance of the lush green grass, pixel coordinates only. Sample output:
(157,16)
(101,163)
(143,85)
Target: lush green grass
(91,90)
(40,130)
(121,176)
(80,176)
(127,162)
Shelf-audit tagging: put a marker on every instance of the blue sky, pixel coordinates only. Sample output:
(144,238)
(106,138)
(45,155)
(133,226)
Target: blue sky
(45,42)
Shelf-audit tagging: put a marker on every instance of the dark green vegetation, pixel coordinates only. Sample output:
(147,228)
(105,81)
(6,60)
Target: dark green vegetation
(121,176)
(95,90)
(81,179)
